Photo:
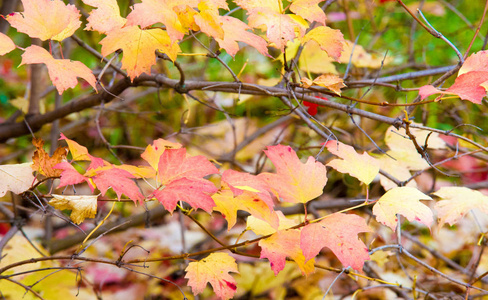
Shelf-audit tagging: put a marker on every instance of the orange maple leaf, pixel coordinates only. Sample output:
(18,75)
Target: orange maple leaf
(46,19)
(63,72)
(43,163)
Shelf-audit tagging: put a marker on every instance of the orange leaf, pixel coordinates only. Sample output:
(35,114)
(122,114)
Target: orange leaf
(154,151)
(330,40)
(213,269)
(236,30)
(46,19)
(283,244)
(106,17)
(294,181)
(6,44)
(44,164)
(309,10)
(139,47)
(331,82)
(63,72)
(342,240)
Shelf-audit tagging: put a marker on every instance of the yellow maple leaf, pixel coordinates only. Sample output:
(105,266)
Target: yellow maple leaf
(139,48)
(62,72)
(330,40)
(106,17)
(363,167)
(213,269)
(81,206)
(46,19)
(309,10)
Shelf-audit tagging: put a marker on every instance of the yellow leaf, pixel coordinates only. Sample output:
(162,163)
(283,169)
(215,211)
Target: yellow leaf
(81,206)
(404,201)
(309,9)
(46,19)
(6,44)
(330,40)
(62,72)
(456,202)
(213,269)
(106,17)
(262,227)
(361,58)
(363,167)
(331,82)
(395,169)
(139,48)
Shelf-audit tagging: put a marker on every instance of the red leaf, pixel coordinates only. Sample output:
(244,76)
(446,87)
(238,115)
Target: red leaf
(338,232)
(70,176)
(174,164)
(195,191)
(240,181)
(119,180)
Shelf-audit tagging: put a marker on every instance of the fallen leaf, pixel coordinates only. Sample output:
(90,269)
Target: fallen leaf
(213,269)
(81,207)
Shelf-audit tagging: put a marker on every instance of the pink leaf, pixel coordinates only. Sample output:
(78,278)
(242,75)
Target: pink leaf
(120,181)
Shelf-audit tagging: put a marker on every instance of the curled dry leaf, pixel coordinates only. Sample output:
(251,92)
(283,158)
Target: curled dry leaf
(81,207)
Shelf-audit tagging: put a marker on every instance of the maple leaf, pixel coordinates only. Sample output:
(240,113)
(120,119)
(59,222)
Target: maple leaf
(329,81)
(62,72)
(182,180)
(70,176)
(404,201)
(46,19)
(280,28)
(106,17)
(44,164)
(120,181)
(363,167)
(468,86)
(294,181)
(81,206)
(236,30)
(309,10)
(153,152)
(16,178)
(6,44)
(264,227)
(228,204)
(342,240)
(139,48)
(475,62)
(208,18)
(150,12)
(80,153)
(240,182)
(213,269)
(456,202)
(330,40)
(283,244)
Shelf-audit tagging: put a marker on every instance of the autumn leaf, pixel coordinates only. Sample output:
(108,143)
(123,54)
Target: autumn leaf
(363,167)
(62,72)
(403,201)
(213,269)
(43,163)
(150,12)
(475,62)
(359,57)
(182,179)
(46,19)
(309,10)
(6,44)
(294,181)
(139,48)
(342,239)
(153,152)
(456,202)
(330,40)
(70,176)
(81,207)
(262,227)
(283,244)
(106,17)
(239,182)
(280,28)
(16,178)
(120,181)
(208,18)
(228,204)
(236,30)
